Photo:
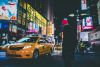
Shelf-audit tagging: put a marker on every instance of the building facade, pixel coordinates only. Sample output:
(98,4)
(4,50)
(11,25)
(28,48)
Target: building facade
(32,18)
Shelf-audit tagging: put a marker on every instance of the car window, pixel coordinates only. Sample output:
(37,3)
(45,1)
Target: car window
(28,39)
(42,40)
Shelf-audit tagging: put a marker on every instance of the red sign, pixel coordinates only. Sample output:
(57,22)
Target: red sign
(64,22)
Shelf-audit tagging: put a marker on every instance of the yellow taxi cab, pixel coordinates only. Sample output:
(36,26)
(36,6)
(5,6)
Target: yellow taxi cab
(29,47)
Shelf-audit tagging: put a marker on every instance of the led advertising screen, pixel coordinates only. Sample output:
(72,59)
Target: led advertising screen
(87,23)
(28,8)
(14,28)
(32,27)
(84,36)
(8,9)
(4,25)
(83,4)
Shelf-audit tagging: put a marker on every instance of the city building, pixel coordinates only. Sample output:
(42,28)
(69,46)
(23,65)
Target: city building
(28,17)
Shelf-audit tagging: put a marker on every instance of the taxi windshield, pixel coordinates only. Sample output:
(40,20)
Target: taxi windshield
(28,39)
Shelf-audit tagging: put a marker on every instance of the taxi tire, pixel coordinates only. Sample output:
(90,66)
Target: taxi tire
(35,55)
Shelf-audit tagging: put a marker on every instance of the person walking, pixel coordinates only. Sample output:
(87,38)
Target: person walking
(81,47)
(69,43)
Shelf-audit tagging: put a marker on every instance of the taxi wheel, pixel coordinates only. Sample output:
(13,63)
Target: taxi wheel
(36,55)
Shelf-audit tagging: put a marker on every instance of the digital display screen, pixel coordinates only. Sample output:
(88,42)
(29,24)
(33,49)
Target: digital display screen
(4,25)
(87,23)
(8,9)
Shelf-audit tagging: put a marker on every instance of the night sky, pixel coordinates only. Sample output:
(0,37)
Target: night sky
(62,8)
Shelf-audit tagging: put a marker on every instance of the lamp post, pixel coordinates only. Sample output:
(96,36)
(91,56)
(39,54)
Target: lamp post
(77,20)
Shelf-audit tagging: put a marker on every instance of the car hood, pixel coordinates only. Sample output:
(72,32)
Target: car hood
(20,44)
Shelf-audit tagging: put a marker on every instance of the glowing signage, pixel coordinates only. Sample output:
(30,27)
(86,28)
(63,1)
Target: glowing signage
(24,5)
(38,15)
(8,9)
(98,9)
(84,36)
(43,31)
(44,21)
(33,15)
(41,18)
(49,29)
(14,28)
(79,28)
(4,24)
(87,23)
(64,22)
(32,27)
(28,8)
(83,5)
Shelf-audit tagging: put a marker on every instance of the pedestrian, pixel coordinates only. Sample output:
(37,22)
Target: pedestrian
(69,43)
(82,47)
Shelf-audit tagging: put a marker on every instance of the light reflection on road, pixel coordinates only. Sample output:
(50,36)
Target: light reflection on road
(45,61)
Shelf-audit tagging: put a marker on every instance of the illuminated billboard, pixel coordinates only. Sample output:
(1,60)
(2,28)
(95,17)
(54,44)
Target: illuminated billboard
(4,25)
(83,4)
(32,27)
(98,9)
(13,28)
(84,36)
(8,9)
(24,5)
(87,23)
(43,32)
(28,8)
(41,18)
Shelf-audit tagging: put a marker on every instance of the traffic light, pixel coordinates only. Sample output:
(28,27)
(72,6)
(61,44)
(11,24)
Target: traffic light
(64,22)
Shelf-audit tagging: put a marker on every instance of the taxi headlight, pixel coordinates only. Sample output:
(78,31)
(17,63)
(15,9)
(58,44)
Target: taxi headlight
(26,47)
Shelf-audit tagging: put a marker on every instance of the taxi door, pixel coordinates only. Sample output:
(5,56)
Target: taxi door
(41,46)
(46,47)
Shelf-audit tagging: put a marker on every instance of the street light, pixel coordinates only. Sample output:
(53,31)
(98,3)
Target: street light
(71,15)
(76,16)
